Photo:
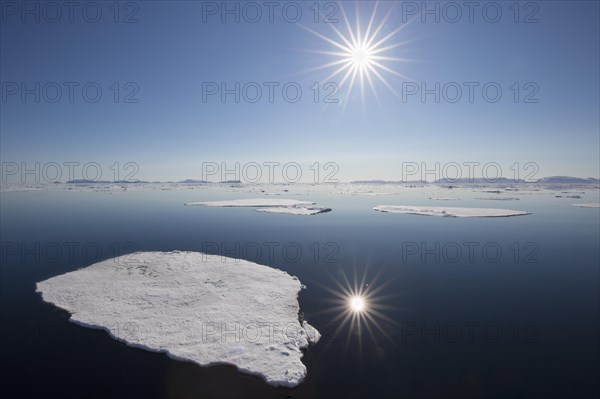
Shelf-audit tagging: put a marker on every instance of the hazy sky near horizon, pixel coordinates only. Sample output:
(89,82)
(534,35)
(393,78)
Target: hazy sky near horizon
(155,73)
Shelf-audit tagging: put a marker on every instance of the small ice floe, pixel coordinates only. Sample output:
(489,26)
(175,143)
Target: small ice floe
(368,193)
(284,193)
(499,199)
(194,307)
(444,198)
(588,205)
(296,210)
(253,202)
(449,211)
(492,191)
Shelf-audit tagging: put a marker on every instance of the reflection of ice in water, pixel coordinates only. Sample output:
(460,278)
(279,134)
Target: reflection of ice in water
(193,306)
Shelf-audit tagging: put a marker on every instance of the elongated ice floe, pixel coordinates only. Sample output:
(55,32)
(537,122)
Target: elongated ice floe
(296,210)
(588,205)
(444,198)
(193,306)
(254,202)
(449,211)
(498,199)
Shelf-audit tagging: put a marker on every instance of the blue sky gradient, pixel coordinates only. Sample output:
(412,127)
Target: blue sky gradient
(170,52)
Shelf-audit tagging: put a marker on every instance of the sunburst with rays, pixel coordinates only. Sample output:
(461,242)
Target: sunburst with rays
(359,307)
(361,55)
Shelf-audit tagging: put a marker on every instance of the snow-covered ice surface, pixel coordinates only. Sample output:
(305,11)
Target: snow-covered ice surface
(270,205)
(254,202)
(194,307)
(588,205)
(296,210)
(312,335)
(449,211)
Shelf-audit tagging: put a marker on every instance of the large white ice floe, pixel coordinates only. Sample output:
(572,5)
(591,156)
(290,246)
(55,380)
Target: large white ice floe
(296,210)
(449,211)
(588,205)
(270,205)
(254,202)
(194,307)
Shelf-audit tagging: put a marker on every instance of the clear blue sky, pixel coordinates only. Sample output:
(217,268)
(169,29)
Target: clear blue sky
(171,51)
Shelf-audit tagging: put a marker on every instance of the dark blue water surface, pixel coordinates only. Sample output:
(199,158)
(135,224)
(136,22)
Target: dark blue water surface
(518,317)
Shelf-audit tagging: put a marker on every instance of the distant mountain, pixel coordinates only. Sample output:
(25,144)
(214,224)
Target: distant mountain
(568,179)
(373,182)
(504,180)
(87,181)
(387,182)
(479,180)
(189,181)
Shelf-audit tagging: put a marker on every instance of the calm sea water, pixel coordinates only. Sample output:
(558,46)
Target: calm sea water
(490,307)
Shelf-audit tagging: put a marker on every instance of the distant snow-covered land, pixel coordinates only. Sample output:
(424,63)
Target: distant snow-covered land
(367,188)
(193,306)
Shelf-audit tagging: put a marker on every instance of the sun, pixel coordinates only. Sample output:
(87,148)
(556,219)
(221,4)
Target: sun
(357,303)
(360,56)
